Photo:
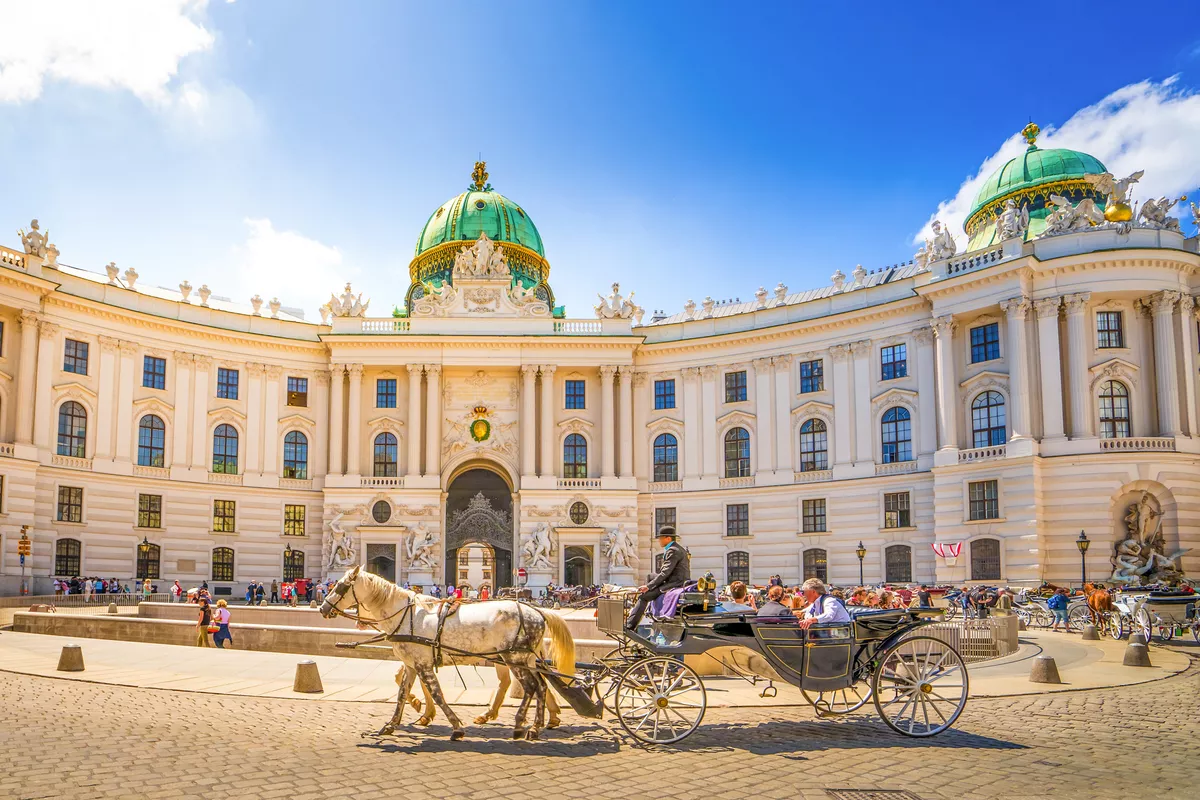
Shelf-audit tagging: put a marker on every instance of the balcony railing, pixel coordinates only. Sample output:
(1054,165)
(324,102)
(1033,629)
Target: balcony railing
(974,261)
(666,486)
(896,468)
(579,483)
(7,449)
(1160,443)
(385,326)
(982,453)
(12,258)
(151,472)
(813,476)
(371,482)
(736,483)
(295,483)
(577,326)
(70,462)
(225,478)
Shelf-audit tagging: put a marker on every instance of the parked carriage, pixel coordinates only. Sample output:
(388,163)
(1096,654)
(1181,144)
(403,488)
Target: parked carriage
(1162,611)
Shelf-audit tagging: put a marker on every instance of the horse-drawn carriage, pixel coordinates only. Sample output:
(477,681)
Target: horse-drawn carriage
(1164,611)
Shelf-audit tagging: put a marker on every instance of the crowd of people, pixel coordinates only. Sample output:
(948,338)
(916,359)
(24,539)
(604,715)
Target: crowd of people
(91,588)
(740,597)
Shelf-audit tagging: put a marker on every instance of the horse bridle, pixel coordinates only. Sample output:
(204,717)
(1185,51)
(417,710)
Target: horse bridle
(339,591)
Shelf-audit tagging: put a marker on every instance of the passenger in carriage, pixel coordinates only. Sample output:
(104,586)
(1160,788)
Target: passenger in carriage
(822,608)
(774,606)
(737,601)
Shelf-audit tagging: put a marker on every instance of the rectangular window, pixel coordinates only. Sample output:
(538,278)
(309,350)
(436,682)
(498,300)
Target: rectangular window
(985,342)
(1109,332)
(75,357)
(385,393)
(227,383)
(985,499)
(735,386)
(224,512)
(663,517)
(813,516)
(737,519)
(664,394)
(293,520)
(1,339)
(576,397)
(895,510)
(154,372)
(70,504)
(812,376)
(298,392)
(149,511)
(894,362)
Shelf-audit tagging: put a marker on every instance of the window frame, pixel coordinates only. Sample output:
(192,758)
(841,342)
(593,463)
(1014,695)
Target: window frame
(144,562)
(75,443)
(151,453)
(68,558)
(664,394)
(737,520)
(72,504)
(819,564)
(901,446)
(224,462)
(814,515)
(907,575)
(893,361)
(75,355)
(737,388)
(666,468)
(385,392)
(297,391)
(994,429)
(897,510)
(972,561)
(978,508)
(1111,425)
(154,372)
(987,348)
(815,379)
(737,452)
(1108,333)
(575,456)
(575,394)
(742,559)
(227,389)
(227,565)
(293,522)
(148,512)
(224,516)
(814,445)
(390,464)
(664,516)
(295,456)
(293,565)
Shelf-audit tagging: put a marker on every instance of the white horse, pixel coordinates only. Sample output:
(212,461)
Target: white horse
(506,630)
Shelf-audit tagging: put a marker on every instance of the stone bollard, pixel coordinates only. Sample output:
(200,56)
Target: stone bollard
(312,603)
(71,659)
(112,608)
(1021,626)
(1136,652)
(1044,670)
(308,679)
(1090,634)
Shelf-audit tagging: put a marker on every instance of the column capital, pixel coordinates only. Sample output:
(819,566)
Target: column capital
(110,344)
(1076,303)
(923,335)
(607,372)
(337,370)
(202,361)
(639,378)
(1047,306)
(782,361)
(273,371)
(322,377)
(48,330)
(762,364)
(1162,302)
(839,352)
(1187,304)
(414,368)
(944,326)
(432,370)
(709,372)
(31,318)
(690,372)
(861,348)
(356,371)
(529,370)
(255,369)
(181,357)
(1016,307)
(548,370)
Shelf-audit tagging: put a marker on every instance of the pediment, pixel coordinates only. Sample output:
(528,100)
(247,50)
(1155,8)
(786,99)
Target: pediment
(984,381)
(1115,369)
(76,389)
(297,420)
(576,425)
(736,417)
(668,423)
(987,374)
(154,404)
(385,423)
(226,412)
(894,396)
(813,408)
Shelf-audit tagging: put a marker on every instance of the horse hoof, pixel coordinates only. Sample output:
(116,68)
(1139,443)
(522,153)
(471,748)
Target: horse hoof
(457,736)
(386,730)
(531,735)
(553,723)
(423,721)
(482,719)
(518,734)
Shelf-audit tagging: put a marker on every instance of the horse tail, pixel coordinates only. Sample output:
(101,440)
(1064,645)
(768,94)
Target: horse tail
(562,644)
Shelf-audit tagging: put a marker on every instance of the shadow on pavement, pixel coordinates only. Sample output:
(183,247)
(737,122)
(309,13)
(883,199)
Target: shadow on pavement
(567,741)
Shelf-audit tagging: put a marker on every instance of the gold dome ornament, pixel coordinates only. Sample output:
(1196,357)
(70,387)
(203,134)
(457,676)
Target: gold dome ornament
(1030,132)
(479,177)
(1118,212)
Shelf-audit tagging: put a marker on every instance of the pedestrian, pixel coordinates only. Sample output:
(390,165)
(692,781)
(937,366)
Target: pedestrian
(924,599)
(221,616)
(250,593)
(146,590)
(1058,606)
(203,620)
(320,589)
(274,591)
(260,593)
(176,592)
(87,590)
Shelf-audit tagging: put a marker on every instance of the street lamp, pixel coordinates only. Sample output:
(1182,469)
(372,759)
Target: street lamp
(143,570)
(861,552)
(23,548)
(1083,543)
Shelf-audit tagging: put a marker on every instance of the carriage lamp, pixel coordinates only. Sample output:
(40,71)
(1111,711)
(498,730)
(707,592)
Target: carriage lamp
(861,552)
(1083,543)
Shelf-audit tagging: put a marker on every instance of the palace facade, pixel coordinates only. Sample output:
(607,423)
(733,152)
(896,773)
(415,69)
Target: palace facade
(995,402)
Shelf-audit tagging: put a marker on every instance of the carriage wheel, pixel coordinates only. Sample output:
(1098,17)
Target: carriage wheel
(839,701)
(920,687)
(1116,625)
(951,611)
(1043,618)
(1141,624)
(1196,631)
(1077,617)
(1166,633)
(660,700)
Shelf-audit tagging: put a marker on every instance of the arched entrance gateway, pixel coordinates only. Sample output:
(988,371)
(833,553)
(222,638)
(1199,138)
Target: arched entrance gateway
(479,512)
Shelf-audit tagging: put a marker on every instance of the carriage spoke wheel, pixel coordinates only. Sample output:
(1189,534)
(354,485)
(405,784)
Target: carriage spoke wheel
(839,701)
(920,686)
(1142,625)
(1116,625)
(659,701)
(1077,617)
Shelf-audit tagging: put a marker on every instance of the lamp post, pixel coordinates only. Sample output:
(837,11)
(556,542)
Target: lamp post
(1083,543)
(23,548)
(861,552)
(143,567)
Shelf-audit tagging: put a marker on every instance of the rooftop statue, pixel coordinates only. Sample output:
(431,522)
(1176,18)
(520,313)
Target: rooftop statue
(1141,557)
(348,305)
(1195,215)
(481,260)
(1116,208)
(34,242)
(1068,218)
(615,306)
(1153,213)
(942,244)
(1012,222)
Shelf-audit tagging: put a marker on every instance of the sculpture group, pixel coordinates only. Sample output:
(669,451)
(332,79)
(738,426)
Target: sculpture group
(617,307)
(348,305)
(1141,557)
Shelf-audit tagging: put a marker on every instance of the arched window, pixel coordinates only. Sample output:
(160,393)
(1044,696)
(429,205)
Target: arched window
(1114,411)
(575,456)
(293,565)
(985,560)
(385,456)
(295,456)
(222,564)
(897,435)
(67,558)
(666,458)
(72,430)
(987,420)
(814,446)
(737,453)
(897,561)
(816,564)
(152,442)
(225,451)
(737,567)
(148,556)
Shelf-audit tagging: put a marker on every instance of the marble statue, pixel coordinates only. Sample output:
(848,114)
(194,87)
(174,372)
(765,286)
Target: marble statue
(620,547)
(422,548)
(1141,557)
(1117,191)
(527,301)
(481,260)
(1012,221)
(341,546)
(942,245)
(1068,218)
(1195,215)
(536,552)
(615,306)
(1153,213)
(436,301)
(34,241)
(348,305)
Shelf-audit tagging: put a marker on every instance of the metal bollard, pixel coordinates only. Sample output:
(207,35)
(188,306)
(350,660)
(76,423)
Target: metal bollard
(1090,634)
(1044,670)
(71,658)
(1136,652)
(308,678)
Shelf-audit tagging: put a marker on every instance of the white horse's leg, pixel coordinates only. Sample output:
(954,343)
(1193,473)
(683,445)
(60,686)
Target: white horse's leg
(552,704)
(429,678)
(528,681)
(404,680)
(430,708)
(504,676)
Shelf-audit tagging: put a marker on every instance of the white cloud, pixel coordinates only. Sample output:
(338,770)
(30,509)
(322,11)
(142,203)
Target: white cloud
(302,271)
(1146,125)
(135,45)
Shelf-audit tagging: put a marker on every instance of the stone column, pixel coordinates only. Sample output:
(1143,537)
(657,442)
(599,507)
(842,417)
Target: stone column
(48,353)
(270,423)
(546,467)
(625,418)
(692,414)
(864,431)
(180,425)
(337,417)
(1077,365)
(926,392)
(638,437)
(320,466)
(784,460)
(1166,367)
(254,415)
(764,445)
(843,403)
(27,376)
(1050,361)
(708,391)
(201,445)
(947,382)
(354,422)
(125,380)
(413,423)
(1017,308)
(607,426)
(1187,339)
(433,411)
(108,398)
(528,419)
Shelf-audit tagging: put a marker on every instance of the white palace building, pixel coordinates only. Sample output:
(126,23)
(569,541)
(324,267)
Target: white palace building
(991,400)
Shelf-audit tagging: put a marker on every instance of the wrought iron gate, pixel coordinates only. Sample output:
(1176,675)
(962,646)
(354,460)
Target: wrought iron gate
(480,523)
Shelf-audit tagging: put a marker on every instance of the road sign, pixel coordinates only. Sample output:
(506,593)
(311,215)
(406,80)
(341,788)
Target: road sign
(522,575)
(24,547)
(22,559)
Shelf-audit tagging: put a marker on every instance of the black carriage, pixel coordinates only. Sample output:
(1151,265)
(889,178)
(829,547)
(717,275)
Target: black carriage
(918,683)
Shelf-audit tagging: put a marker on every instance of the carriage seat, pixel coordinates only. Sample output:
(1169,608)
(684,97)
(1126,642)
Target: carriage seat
(695,602)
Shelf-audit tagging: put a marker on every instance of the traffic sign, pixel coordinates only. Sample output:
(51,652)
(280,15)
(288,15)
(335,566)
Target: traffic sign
(24,548)
(522,575)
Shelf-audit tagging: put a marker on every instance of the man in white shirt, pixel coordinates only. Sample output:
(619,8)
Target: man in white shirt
(823,609)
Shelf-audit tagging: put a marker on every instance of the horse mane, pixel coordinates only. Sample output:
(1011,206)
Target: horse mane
(380,589)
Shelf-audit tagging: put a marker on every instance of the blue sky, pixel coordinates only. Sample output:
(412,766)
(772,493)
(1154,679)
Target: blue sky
(683,149)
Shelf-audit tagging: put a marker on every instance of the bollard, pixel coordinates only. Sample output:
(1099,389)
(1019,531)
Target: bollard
(312,603)
(71,659)
(1021,626)
(1044,670)
(112,608)
(1090,634)
(308,679)
(1136,652)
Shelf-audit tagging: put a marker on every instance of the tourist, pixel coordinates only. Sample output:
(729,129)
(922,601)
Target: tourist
(924,599)
(87,590)
(484,592)
(203,619)
(285,592)
(774,606)
(250,593)
(320,590)
(274,591)
(176,592)
(1058,606)
(260,592)
(222,616)
(146,590)
(822,609)
(737,599)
